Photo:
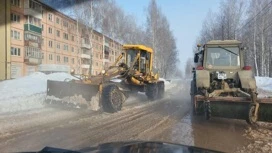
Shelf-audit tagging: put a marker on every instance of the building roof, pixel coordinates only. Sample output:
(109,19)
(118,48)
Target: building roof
(140,47)
(223,42)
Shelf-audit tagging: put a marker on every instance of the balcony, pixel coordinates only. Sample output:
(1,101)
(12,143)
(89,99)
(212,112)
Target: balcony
(85,56)
(85,66)
(32,28)
(85,45)
(32,57)
(33,8)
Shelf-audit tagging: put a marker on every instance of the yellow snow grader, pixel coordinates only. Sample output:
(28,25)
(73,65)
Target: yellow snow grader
(112,87)
(224,86)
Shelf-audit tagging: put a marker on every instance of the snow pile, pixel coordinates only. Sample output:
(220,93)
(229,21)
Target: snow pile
(264,83)
(26,92)
(168,85)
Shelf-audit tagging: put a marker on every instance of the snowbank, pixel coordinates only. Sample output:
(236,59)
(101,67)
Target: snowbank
(264,83)
(168,85)
(26,92)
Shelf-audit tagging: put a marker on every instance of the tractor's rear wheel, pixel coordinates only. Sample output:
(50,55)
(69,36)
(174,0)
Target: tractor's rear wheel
(192,93)
(161,90)
(152,91)
(207,110)
(252,119)
(112,99)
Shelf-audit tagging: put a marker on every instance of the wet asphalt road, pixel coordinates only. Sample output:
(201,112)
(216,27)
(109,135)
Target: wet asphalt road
(165,120)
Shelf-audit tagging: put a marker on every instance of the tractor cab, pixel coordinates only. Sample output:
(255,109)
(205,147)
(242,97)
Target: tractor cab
(219,54)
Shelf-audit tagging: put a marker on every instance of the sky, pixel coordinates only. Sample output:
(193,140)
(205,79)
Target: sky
(185,18)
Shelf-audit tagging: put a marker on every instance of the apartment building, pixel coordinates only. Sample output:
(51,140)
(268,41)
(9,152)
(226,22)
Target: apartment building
(43,39)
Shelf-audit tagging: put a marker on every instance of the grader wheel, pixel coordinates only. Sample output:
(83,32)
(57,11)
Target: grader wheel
(207,110)
(161,90)
(112,99)
(152,91)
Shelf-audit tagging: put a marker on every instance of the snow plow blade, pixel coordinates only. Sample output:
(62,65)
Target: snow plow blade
(71,93)
(237,107)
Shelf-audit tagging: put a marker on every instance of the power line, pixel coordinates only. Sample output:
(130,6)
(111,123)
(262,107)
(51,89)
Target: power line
(265,7)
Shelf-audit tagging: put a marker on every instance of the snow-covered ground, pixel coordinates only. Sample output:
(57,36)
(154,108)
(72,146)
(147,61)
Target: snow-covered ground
(264,85)
(26,92)
(30,91)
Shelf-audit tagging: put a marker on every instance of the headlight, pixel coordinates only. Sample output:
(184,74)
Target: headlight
(221,75)
(103,71)
(72,71)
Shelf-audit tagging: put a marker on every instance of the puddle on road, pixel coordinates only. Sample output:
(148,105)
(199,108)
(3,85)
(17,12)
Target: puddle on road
(217,134)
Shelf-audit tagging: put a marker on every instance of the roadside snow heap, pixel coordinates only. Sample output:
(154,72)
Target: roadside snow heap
(27,92)
(264,85)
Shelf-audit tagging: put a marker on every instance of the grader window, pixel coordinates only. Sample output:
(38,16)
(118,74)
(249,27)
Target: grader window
(222,56)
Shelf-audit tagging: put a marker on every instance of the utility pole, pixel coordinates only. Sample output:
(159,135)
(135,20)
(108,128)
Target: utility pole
(90,39)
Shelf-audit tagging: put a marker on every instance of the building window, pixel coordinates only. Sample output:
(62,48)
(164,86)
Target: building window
(58,45)
(36,6)
(50,30)
(15,3)
(73,61)
(96,37)
(15,51)
(15,18)
(15,34)
(50,17)
(96,55)
(65,36)
(58,33)
(42,55)
(65,59)
(72,49)
(32,37)
(65,23)
(58,58)
(42,42)
(112,52)
(73,39)
(50,43)
(50,57)
(58,20)
(96,64)
(65,47)
(34,21)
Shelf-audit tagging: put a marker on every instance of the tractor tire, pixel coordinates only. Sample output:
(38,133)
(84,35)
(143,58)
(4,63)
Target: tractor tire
(161,90)
(192,93)
(251,119)
(207,111)
(112,99)
(152,91)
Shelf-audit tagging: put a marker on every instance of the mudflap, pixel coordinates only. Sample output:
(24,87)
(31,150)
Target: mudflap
(72,94)
(236,108)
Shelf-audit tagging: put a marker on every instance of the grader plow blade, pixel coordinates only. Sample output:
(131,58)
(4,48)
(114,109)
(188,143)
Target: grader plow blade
(70,93)
(236,107)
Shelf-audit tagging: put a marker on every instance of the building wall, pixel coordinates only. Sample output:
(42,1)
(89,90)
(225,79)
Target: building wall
(4,39)
(53,44)
(17,61)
